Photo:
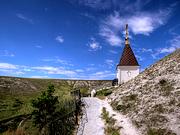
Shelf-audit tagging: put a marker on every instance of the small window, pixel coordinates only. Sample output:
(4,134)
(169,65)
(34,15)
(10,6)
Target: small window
(129,73)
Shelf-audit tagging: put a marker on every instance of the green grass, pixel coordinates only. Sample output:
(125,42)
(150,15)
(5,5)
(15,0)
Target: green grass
(104,92)
(16,95)
(24,92)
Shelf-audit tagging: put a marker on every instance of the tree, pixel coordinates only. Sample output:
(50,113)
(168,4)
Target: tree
(45,107)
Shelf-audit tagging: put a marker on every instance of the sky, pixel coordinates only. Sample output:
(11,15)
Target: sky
(83,39)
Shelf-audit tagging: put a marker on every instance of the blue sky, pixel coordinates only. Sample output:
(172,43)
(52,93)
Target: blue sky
(83,39)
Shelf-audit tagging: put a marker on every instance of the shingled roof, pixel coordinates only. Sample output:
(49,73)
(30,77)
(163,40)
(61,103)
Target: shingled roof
(128,58)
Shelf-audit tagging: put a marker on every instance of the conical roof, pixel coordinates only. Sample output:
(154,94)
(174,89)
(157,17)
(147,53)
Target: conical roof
(128,58)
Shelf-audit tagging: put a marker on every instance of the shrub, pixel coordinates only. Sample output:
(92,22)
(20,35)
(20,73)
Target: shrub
(104,92)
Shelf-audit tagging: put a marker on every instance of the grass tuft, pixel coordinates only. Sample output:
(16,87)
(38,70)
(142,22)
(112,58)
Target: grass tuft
(110,129)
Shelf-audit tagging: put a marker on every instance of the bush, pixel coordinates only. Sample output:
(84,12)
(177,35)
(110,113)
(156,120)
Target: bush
(104,92)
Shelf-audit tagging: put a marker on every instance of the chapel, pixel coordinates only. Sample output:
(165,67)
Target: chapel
(128,66)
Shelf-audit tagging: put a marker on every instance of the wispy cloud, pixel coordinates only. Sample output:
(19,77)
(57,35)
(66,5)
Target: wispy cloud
(95,4)
(79,70)
(109,62)
(7,66)
(126,5)
(144,50)
(60,39)
(94,45)
(47,71)
(58,60)
(11,69)
(38,46)
(113,52)
(139,23)
(173,45)
(55,70)
(6,53)
(23,17)
(90,16)
(101,75)
(110,35)
(140,58)
(39,76)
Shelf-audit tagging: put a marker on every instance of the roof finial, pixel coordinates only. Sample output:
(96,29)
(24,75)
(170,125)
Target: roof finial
(126,38)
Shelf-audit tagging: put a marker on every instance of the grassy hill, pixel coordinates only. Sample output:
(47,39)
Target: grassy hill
(152,99)
(16,93)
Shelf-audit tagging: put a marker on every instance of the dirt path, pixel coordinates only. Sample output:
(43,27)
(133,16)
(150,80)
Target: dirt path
(121,121)
(95,124)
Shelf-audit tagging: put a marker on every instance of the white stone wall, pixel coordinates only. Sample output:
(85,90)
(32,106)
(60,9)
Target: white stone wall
(125,73)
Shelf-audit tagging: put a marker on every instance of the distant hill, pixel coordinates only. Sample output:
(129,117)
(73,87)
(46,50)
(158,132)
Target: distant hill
(152,99)
(16,93)
(17,84)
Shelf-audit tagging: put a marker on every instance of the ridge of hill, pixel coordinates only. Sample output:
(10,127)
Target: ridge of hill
(16,93)
(17,84)
(152,99)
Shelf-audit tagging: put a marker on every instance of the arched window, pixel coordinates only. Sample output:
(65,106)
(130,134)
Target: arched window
(129,73)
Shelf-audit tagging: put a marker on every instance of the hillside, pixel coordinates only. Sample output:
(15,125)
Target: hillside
(152,99)
(16,93)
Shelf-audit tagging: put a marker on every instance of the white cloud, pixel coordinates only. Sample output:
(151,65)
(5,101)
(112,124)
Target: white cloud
(95,4)
(140,58)
(19,73)
(79,70)
(146,23)
(55,70)
(60,39)
(101,75)
(110,35)
(173,45)
(7,66)
(38,76)
(110,63)
(94,45)
(113,52)
(45,71)
(144,50)
(90,68)
(38,46)
(23,17)
(126,5)
(58,60)
(138,22)
(6,53)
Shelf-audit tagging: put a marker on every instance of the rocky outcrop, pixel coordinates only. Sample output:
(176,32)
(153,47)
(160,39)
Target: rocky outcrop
(91,84)
(152,99)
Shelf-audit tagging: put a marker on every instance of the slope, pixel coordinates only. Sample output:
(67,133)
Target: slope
(152,99)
